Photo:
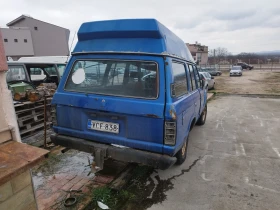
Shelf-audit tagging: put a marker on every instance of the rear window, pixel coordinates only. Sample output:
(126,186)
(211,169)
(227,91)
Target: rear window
(137,79)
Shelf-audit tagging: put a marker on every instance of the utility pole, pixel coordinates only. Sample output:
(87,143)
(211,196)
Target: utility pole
(215,57)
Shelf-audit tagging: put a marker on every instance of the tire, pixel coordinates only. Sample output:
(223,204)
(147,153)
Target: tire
(202,118)
(182,153)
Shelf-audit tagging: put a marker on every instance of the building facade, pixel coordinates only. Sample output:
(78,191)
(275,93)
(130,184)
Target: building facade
(199,52)
(27,36)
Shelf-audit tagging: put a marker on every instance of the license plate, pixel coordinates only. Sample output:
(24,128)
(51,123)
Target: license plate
(103,126)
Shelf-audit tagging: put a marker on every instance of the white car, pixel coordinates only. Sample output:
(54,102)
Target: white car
(235,71)
(210,81)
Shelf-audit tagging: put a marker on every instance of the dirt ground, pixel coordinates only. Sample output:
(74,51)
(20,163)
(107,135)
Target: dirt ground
(251,82)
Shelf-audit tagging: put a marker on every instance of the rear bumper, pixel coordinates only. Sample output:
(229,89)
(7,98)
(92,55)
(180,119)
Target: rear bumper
(121,154)
(235,74)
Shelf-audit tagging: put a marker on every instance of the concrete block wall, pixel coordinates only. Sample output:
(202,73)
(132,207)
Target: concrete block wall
(17,194)
(8,120)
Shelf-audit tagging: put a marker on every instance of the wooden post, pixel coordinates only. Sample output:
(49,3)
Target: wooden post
(45,124)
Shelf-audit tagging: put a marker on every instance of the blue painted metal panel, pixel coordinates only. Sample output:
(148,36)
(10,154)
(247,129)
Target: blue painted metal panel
(183,106)
(141,121)
(130,35)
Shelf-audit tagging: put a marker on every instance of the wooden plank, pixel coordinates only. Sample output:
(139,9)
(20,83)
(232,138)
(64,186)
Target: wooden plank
(28,117)
(37,107)
(32,124)
(32,133)
(124,177)
(33,128)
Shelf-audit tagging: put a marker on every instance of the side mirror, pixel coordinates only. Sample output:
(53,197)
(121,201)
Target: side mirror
(212,77)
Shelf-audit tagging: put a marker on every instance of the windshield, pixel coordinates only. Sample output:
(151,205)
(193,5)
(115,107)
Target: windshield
(235,68)
(16,73)
(120,78)
(61,68)
(207,75)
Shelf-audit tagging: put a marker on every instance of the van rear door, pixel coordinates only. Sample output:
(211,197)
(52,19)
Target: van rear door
(120,101)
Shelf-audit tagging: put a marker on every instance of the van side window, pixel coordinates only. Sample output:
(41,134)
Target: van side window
(51,70)
(35,71)
(180,80)
(193,85)
(197,78)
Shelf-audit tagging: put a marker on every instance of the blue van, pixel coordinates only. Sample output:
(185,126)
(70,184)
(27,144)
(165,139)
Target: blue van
(131,92)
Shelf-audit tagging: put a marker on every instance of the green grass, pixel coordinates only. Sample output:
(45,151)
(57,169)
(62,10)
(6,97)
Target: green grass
(117,199)
(113,199)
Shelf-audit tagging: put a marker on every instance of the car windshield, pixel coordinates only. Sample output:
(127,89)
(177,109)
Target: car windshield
(235,68)
(208,75)
(61,68)
(119,78)
(16,73)
(202,75)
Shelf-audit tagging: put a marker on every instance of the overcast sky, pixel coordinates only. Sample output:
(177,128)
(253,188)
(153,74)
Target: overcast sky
(238,25)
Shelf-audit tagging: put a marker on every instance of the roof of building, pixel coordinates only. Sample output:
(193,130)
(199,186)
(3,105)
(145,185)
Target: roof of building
(130,36)
(42,59)
(22,17)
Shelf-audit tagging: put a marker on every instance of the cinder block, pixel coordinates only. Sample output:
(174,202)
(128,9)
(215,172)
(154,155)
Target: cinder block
(5,191)
(21,181)
(20,200)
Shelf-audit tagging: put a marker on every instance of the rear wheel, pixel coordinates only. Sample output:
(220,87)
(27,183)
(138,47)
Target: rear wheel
(202,118)
(182,153)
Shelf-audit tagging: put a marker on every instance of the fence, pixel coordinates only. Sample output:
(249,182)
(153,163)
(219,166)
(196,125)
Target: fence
(224,67)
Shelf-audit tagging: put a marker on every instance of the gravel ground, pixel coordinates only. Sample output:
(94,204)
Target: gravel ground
(251,82)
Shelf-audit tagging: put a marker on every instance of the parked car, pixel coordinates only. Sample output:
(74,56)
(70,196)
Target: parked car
(235,71)
(37,70)
(211,71)
(245,65)
(143,115)
(210,81)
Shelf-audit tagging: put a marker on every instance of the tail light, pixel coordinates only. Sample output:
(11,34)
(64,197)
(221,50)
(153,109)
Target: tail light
(53,114)
(170,133)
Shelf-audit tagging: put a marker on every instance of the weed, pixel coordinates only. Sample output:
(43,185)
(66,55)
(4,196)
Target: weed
(104,195)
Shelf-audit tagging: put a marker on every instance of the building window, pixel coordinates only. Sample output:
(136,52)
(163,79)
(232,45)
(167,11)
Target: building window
(35,28)
(25,40)
(15,40)
(5,40)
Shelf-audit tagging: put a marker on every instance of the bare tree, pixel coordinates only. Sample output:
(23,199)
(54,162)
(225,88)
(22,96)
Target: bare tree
(218,54)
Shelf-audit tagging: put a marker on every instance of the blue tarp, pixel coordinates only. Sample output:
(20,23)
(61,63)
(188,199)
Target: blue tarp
(130,35)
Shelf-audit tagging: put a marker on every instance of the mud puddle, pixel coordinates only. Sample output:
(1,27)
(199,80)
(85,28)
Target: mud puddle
(70,163)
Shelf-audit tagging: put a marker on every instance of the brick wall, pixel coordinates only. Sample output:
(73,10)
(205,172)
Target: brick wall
(18,194)
(3,62)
